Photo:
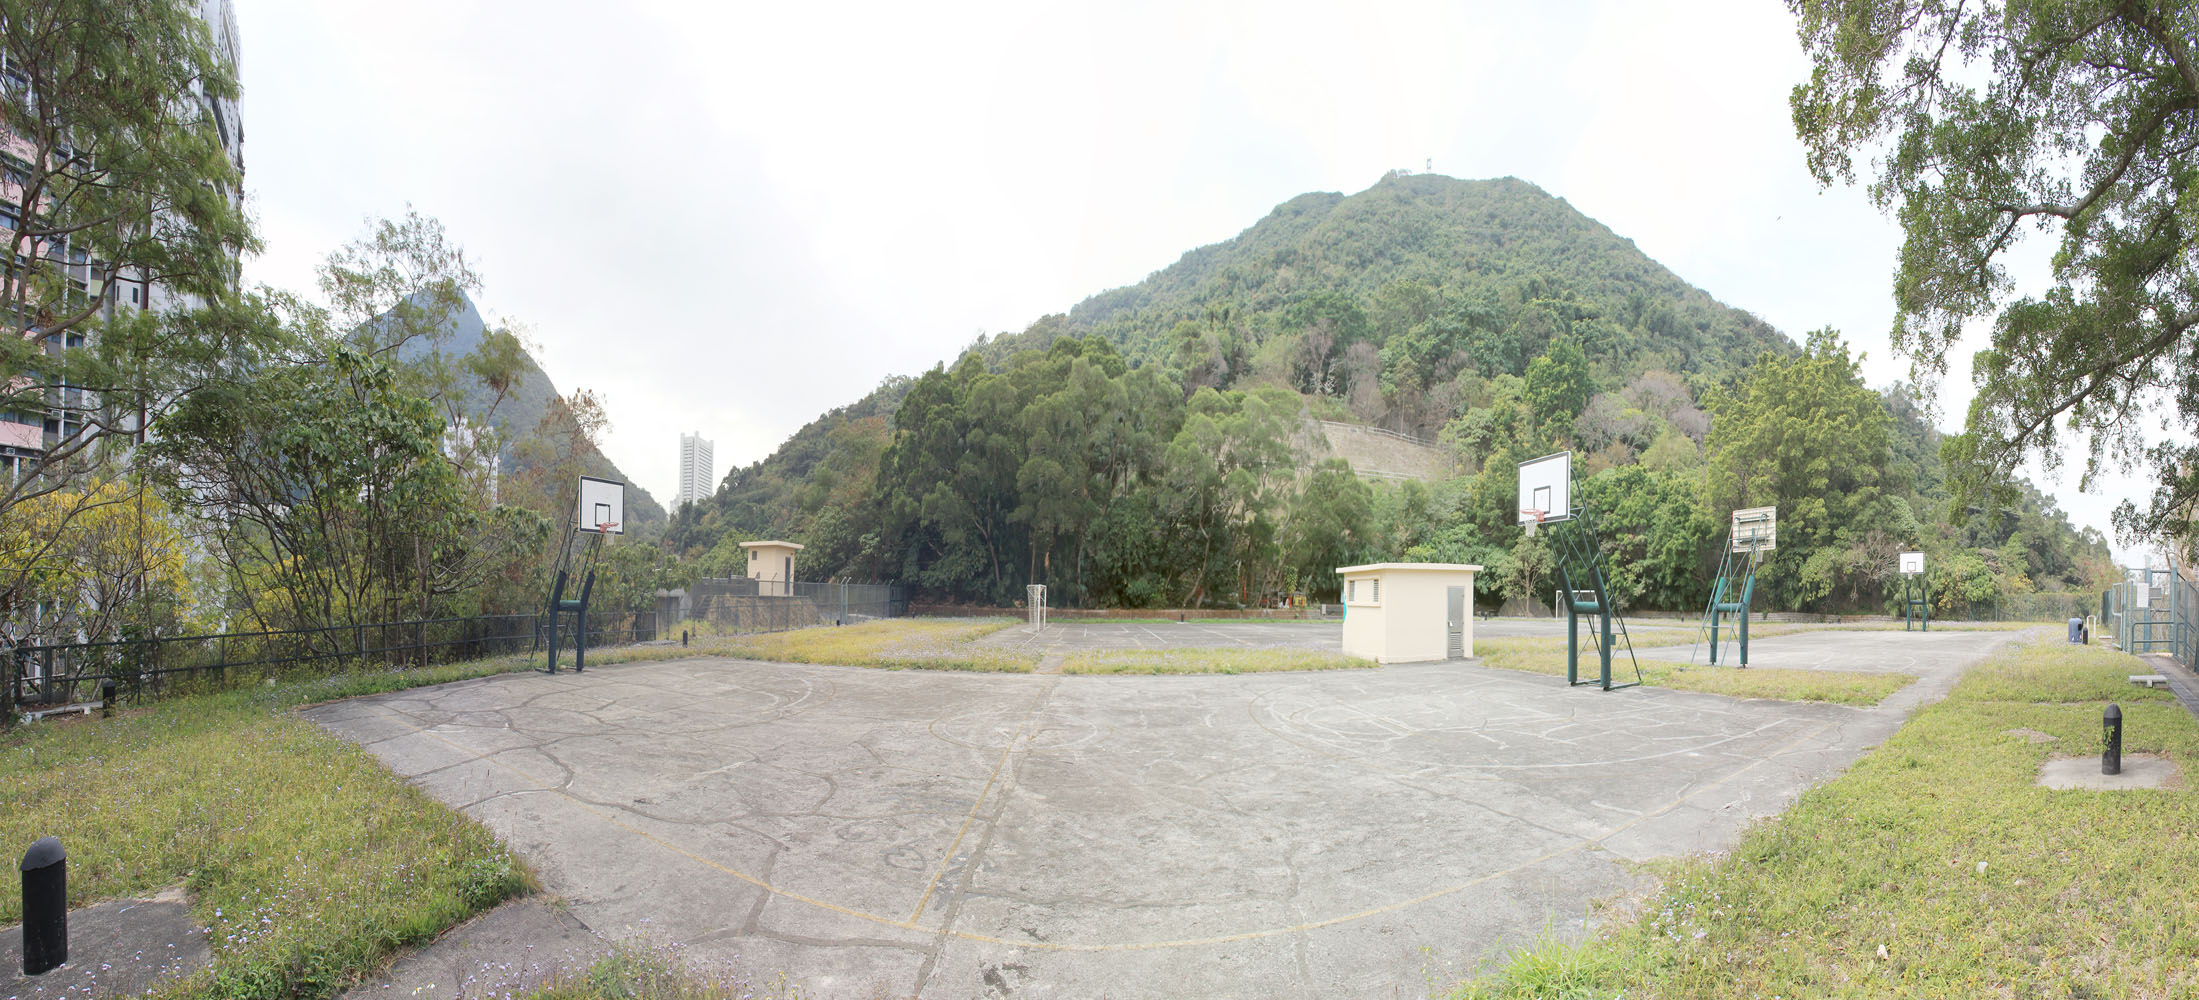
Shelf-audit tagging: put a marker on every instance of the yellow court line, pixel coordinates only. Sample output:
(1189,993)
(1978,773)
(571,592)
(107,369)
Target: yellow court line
(1126,946)
(944,862)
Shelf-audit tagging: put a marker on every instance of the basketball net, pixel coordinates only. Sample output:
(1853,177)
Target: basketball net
(1530,519)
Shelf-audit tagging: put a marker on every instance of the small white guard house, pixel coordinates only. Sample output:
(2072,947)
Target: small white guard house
(1409,612)
(771,564)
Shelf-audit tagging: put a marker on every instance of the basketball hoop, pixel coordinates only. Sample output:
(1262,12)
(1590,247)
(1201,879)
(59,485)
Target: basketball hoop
(1530,518)
(606,527)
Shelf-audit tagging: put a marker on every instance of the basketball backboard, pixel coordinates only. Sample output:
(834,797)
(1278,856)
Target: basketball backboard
(1546,485)
(1912,563)
(602,501)
(1756,528)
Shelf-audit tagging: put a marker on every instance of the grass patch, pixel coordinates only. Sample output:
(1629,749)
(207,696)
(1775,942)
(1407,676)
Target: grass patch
(1208,661)
(2056,672)
(1545,655)
(638,972)
(309,863)
(892,644)
(1936,866)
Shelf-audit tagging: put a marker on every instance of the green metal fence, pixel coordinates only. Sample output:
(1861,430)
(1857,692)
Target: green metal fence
(2154,611)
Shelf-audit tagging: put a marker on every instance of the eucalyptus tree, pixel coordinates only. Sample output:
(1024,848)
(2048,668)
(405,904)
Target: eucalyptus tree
(1990,121)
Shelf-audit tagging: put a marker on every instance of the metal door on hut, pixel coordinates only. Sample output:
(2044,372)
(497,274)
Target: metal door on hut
(1457,648)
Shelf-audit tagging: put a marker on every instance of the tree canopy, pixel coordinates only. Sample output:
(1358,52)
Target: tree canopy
(110,197)
(1988,121)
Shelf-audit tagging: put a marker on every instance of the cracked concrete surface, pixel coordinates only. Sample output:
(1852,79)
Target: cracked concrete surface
(1348,833)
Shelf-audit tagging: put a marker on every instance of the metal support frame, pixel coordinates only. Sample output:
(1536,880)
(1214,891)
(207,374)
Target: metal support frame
(558,606)
(1580,565)
(1916,602)
(1730,594)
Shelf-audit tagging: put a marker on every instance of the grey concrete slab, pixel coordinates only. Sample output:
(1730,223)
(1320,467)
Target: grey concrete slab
(117,948)
(1347,833)
(2138,771)
(514,948)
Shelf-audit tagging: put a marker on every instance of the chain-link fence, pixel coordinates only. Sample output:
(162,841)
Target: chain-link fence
(34,677)
(744,605)
(2059,606)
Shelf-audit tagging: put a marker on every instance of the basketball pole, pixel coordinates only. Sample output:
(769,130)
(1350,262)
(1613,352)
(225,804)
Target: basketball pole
(558,605)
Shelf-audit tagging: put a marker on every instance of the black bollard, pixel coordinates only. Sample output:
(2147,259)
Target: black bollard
(683,638)
(2111,733)
(45,907)
(107,698)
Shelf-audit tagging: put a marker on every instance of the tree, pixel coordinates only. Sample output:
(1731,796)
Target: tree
(328,495)
(1558,385)
(1991,119)
(119,187)
(1656,536)
(1327,324)
(399,292)
(97,563)
(1806,434)
(1327,528)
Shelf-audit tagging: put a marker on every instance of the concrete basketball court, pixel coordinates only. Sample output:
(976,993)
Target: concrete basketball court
(1336,834)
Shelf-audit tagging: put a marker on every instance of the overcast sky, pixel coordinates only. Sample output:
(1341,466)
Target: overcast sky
(727,218)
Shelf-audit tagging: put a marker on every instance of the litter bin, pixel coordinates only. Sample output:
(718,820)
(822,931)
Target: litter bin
(2077,631)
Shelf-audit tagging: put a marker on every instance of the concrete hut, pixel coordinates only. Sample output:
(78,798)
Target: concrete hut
(1409,612)
(771,565)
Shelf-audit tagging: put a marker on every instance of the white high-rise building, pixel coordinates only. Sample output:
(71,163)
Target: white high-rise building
(696,478)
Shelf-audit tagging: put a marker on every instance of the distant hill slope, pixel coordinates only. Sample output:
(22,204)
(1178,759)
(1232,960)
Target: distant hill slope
(521,411)
(1487,312)
(1463,238)
(1380,455)
(1454,281)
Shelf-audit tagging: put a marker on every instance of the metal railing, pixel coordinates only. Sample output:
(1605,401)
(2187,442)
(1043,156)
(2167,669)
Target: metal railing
(1327,425)
(34,677)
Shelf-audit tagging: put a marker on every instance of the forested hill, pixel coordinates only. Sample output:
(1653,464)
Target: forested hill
(1500,265)
(1147,447)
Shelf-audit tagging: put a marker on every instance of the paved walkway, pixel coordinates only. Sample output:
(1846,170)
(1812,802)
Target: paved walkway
(880,833)
(2181,681)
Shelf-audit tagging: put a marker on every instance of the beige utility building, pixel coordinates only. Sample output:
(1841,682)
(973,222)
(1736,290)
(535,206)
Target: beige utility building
(771,565)
(1409,612)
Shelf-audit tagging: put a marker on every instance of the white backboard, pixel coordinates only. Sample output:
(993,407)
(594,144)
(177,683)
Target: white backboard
(1912,563)
(1756,528)
(1546,484)
(601,501)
